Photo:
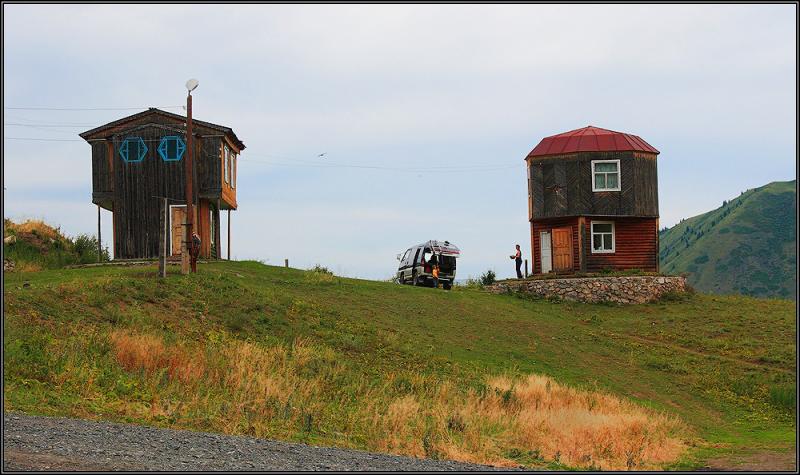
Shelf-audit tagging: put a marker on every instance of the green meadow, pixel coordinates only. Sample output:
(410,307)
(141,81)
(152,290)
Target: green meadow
(244,348)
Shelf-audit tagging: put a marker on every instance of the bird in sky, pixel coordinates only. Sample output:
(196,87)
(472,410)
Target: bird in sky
(322,154)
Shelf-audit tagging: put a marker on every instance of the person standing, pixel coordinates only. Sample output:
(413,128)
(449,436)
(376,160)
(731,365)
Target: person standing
(518,260)
(435,275)
(194,251)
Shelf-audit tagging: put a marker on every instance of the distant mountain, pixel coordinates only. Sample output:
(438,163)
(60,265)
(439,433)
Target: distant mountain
(747,246)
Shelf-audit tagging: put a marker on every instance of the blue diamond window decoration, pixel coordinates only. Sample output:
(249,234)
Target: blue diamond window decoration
(133,150)
(171,148)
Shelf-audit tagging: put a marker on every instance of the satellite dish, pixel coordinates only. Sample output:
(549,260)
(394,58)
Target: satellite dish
(192,84)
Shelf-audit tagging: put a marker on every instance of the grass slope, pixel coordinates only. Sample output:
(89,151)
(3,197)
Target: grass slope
(34,246)
(245,348)
(747,246)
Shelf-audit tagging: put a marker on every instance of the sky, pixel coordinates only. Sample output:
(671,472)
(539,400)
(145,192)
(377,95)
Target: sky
(425,113)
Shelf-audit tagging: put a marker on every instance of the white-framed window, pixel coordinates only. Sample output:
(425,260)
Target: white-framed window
(233,170)
(603,237)
(605,175)
(225,162)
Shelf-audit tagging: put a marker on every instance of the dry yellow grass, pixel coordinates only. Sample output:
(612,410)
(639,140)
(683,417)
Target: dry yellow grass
(268,391)
(34,225)
(27,267)
(148,353)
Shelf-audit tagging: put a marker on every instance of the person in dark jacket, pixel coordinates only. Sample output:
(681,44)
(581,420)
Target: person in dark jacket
(518,260)
(194,251)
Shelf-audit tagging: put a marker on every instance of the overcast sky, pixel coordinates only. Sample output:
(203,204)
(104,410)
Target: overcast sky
(424,112)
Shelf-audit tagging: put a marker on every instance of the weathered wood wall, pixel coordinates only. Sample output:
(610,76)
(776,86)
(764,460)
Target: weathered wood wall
(562,186)
(130,188)
(636,246)
(137,186)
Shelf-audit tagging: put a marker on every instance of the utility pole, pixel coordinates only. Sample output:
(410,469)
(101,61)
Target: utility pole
(191,84)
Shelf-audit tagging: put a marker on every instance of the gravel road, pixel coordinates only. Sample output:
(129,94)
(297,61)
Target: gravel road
(49,443)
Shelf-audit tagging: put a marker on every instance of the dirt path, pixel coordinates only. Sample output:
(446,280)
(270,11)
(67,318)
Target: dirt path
(756,462)
(652,341)
(50,443)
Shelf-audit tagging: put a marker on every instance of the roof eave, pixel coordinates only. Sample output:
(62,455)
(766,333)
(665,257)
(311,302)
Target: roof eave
(545,155)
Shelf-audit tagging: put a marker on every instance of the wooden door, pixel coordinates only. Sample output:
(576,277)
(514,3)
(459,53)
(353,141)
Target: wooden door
(545,252)
(177,218)
(562,249)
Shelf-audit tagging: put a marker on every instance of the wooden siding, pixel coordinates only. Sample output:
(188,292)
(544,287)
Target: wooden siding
(562,186)
(208,177)
(137,187)
(204,228)
(102,176)
(636,244)
(227,193)
(635,247)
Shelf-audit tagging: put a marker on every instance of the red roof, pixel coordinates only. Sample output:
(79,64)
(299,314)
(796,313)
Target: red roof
(590,139)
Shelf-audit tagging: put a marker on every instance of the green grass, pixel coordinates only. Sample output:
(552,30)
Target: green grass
(724,364)
(39,246)
(747,246)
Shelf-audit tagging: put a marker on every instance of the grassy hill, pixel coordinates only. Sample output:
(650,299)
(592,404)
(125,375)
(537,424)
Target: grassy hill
(33,245)
(747,246)
(244,348)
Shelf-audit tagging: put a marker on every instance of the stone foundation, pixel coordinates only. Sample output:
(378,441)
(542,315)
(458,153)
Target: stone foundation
(625,290)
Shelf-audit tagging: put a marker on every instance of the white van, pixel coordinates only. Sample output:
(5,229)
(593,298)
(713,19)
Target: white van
(416,264)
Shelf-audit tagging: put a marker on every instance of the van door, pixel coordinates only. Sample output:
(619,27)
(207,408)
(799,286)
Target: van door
(416,258)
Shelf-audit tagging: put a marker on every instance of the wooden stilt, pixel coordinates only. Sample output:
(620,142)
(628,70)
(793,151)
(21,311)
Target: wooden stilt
(229,234)
(217,233)
(164,238)
(99,239)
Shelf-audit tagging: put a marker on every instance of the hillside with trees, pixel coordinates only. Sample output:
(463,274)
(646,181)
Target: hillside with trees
(747,246)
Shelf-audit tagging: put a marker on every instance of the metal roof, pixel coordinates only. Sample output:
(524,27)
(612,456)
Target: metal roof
(97,130)
(590,139)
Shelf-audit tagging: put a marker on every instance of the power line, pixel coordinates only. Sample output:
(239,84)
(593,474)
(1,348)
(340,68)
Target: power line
(419,169)
(49,121)
(88,108)
(42,140)
(42,125)
(315,164)
(325,163)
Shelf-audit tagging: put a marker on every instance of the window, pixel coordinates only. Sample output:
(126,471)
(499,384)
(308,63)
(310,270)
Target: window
(225,156)
(228,163)
(233,170)
(605,175)
(602,237)
(171,148)
(133,149)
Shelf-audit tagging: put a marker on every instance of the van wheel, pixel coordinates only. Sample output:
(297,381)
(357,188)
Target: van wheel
(446,285)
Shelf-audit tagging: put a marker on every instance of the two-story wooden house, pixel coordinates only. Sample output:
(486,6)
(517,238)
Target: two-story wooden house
(138,160)
(593,202)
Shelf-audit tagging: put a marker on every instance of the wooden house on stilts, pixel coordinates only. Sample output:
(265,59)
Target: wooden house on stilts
(138,160)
